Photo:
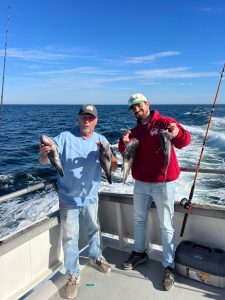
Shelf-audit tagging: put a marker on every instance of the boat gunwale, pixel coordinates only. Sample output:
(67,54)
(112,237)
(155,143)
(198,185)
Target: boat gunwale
(17,238)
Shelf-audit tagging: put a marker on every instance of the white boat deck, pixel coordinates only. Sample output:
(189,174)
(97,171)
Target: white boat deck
(29,257)
(143,283)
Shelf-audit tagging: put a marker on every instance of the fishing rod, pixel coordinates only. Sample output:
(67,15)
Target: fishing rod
(3,73)
(186,203)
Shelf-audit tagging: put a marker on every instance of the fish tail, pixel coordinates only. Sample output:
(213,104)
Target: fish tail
(61,172)
(109,178)
(166,174)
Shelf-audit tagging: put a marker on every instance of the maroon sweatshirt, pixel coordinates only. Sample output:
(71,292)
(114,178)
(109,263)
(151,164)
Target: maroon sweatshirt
(149,164)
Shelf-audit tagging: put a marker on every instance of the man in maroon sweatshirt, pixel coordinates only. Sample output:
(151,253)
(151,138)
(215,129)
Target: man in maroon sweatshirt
(155,175)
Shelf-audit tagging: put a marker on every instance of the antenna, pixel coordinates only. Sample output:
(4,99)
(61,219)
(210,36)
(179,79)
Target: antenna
(3,73)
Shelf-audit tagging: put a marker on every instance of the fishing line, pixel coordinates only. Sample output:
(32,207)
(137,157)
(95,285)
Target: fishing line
(186,203)
(3,73)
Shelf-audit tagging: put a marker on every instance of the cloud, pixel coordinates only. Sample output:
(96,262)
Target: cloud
(150,58)
(93,75)
(34,55)
(173,73)
(46,55)
(90,77)
(81,71)
(52,54)
(213,10)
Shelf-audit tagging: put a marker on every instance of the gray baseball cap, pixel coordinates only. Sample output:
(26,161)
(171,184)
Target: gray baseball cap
(88,109)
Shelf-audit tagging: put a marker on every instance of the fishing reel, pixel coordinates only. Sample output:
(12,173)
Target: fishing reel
(186,203)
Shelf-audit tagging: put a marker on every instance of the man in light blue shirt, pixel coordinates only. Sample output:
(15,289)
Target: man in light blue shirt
(78,193)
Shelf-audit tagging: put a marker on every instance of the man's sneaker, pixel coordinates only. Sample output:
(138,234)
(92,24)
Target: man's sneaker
(71,286)
(134,259)
(168,278)
(102,265)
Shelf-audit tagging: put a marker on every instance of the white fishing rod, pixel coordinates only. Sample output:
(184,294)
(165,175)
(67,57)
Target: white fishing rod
(3,73)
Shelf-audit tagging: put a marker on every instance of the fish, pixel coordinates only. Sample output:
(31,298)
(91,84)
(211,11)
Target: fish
(165,141)
(53,155)
(128,157)
(105,158)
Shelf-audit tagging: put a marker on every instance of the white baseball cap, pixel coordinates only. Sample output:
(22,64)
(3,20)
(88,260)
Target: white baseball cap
(136,99)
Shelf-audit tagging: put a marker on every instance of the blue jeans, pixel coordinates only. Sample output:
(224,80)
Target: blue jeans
(69,218)
(163,194)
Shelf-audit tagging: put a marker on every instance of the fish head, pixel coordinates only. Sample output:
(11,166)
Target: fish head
(43,139)
(103,146)
(134,142)
(132,145)
(130,149)
(47,141)
(164,133)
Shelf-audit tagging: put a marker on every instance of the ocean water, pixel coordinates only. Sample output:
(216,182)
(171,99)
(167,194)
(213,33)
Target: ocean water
(22,126)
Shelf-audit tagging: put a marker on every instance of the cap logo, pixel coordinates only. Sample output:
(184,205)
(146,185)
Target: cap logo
(89,107)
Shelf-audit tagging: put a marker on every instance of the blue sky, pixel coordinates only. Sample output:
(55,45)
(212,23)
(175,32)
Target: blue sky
(79,51)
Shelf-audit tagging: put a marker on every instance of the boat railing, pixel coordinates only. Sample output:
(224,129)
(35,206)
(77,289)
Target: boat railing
(52,183)
(29,189)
